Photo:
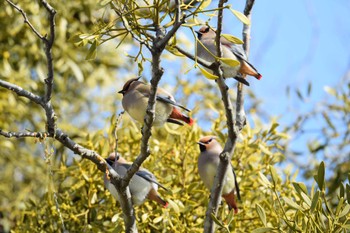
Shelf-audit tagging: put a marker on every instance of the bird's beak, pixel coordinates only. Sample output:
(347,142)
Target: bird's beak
(198,33)
(121,92)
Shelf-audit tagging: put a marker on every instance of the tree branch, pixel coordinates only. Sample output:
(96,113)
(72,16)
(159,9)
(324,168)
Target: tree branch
(233,130)
(26,19)
(23,134)
(45,103)
(240,113)
(21,92)
(226,154)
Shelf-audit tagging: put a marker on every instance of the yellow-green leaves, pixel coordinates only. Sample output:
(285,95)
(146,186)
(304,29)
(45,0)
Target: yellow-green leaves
(261,213)
(241,16)
(320,176)
(230,62)
(207,74)
(232,39)
(204,4)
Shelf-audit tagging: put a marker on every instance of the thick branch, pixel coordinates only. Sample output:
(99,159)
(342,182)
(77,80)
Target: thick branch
(48,46)
(21,92)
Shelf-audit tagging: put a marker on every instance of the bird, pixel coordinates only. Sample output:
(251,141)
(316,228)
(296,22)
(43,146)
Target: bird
(135,100)
(208,163)
(142,185)
(206,37)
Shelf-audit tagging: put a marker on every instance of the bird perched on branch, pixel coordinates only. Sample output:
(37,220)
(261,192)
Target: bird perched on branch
(135,101)
(206,49)
(142,185)
(208,163)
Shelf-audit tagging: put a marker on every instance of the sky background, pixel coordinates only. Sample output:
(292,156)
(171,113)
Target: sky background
(293,43)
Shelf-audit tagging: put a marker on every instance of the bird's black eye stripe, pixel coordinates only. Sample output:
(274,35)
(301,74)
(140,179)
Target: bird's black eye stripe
(209,141)
(207,29)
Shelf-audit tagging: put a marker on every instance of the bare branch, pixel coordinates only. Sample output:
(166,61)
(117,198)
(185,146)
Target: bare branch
(21,92)
(23,134)
(48,46)
(240,113)
(195,59)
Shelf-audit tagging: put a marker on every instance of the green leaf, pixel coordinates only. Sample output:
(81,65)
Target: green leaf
(347,189)
(262,230)
(216,220)
(347,226)
(230,62)
(273,127)
(300,187)
(261,213)
(207,74)
(204,4)
(232,39)
(264,180)
(292,203)
(241,16)
(329,122)
(320,176)
(306,198)
(104,2)
(341,190)
(274,175)
(330,90)
(92,51)
(345,211)
(299,95)
(309,87)
(315,201)
(157,219)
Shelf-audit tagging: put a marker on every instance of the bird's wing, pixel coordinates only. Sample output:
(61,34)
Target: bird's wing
(239,52)
(168,100)
(162,96)
(145,175)
(236,184)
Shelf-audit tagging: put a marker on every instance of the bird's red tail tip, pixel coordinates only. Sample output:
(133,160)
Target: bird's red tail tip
(166,205)
(191,122)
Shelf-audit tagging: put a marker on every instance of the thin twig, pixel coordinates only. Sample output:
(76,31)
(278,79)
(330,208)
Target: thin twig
(23,134)
(120,115)
(26,20)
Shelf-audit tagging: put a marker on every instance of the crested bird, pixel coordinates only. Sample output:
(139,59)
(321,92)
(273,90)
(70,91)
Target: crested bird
(208,163)
(142,185)
(206,49)
(135,101)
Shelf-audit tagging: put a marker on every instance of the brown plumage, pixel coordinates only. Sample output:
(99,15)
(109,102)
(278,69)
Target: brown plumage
(135,101)
(206,36)
(208,163)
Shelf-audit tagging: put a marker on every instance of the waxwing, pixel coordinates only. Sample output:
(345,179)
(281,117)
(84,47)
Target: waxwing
(142,185)
(206,36)
(135,101)
(208,163)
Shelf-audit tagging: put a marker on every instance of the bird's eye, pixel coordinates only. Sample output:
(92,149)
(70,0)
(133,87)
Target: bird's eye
(209,141)
(207,29)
